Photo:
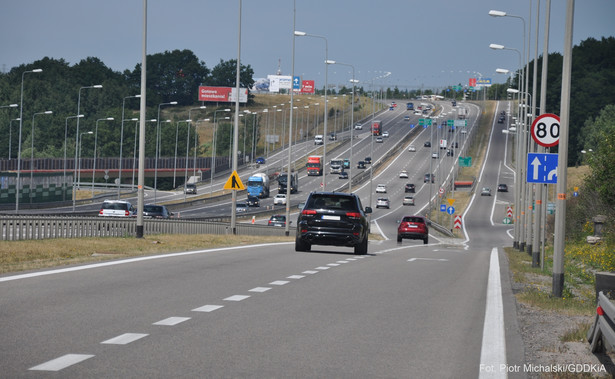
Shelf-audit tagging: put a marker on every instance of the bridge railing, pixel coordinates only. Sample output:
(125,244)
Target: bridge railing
(14,228)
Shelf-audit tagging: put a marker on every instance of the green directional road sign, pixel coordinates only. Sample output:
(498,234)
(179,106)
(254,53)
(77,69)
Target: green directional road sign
(507,220)
(450,122)
(421,121)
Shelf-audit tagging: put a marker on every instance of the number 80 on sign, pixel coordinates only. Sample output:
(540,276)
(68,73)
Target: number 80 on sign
(545,130)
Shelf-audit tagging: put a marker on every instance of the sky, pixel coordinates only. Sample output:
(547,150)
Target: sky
(423,44)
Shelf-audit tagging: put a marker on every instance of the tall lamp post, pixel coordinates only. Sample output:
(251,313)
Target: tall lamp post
(324,154)
(213,150)
(353,81)
(65,145)
(77,136)
(78,167)
(95,141)
(134,151)
(10,135)
(196,135)
(17,182)
(176,141)
(119,175)
(158,146)
(32,153)
(519,185)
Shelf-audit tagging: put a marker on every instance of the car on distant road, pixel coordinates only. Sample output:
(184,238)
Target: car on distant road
(409,187)
(343,175)
(408,200)
(277,220)
(360,164)
(379,140)
(486,191)
(435,155)
(156,211)
(367,160)
(383,202)
(427,144)
(381,188)
(333,218)
(253,201)
(502,187)
(190,188)
(413,227)
(412,148)
(241,207)
(260,160)
(279,199)
(117,208)
(406,118)
(428,177)
(403,174)
(358,126)
(385,134)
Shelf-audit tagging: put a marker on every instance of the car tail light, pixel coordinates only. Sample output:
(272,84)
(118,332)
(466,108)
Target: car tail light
(269,222)
(308,212)
(126,213)
(100,212)
(353,214)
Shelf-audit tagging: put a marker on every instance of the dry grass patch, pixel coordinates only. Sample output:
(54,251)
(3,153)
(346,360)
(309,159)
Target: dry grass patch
(30,255)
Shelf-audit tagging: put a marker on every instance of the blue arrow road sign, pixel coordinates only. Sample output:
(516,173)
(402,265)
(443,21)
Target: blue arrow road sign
(297,83)
(450,210)
(542,168)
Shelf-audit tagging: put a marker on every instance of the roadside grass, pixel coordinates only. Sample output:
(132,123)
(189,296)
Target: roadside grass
(40,254)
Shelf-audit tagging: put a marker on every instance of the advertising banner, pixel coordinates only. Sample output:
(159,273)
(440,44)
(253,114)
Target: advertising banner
(307,86)
(483,82)
(472,82)
(278,82)
(222,94)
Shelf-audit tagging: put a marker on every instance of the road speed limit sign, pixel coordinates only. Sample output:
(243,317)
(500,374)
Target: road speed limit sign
(545,130)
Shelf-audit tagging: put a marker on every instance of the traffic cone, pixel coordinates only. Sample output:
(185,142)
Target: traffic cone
(253,219)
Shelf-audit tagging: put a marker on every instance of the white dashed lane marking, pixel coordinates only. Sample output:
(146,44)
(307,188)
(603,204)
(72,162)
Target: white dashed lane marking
(322,268)
(124,339)
(62,362)
(207,308)
(171,321)
(236,298)
(333,264)
(309,272)
(295,277)
(279,282)
(260,289)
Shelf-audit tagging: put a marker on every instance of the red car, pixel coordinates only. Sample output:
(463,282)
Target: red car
(413,227)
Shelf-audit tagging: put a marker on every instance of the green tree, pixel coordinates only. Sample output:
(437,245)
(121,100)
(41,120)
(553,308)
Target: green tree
(224,75)
(600,137)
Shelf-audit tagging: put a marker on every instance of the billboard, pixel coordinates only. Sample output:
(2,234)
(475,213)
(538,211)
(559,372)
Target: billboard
(307,86)
(472,82)
(483,82)
(278,82)
(222,94)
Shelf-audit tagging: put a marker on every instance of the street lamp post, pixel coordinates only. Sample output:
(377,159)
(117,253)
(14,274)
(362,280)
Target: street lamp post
(134,151)
(10,125)
(79,149)
(17,182)
(65,145)
(95,141)
(195,137)
(176,139)
(213,150)
(32,153)
(10,135)
(324,154)
(196,125)
(158,146)
(77,136)
(119,175)
(353,81)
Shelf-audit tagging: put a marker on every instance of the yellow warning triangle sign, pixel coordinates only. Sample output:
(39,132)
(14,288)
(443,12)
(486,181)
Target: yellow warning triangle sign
(234,183)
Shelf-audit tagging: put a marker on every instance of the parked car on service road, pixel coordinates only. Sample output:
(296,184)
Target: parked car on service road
(190,188)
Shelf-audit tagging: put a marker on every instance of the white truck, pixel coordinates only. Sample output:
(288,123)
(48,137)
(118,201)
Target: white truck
(462,113)
(443,144)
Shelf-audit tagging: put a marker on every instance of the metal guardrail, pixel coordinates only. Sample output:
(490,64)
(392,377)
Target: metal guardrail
(14,228)
(601,335)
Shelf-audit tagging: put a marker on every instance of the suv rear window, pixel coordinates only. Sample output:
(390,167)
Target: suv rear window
(328,201)
(413,219)
(116,206)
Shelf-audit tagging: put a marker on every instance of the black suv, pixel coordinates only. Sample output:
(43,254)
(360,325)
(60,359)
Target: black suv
(335,219)
(409,187)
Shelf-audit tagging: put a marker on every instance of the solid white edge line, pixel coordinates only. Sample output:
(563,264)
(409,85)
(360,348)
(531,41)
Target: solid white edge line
(493,348)
(131,260)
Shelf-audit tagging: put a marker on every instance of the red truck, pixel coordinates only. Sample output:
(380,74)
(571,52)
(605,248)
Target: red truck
(377,127)
(314,165)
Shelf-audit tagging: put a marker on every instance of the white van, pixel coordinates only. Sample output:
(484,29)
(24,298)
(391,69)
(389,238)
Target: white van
(319,139)
(117,208)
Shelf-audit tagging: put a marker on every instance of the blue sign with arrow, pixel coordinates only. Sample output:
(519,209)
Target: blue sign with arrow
(297,83)
(542,168)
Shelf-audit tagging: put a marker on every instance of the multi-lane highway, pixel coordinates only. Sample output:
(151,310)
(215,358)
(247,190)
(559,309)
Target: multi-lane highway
(404,310)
